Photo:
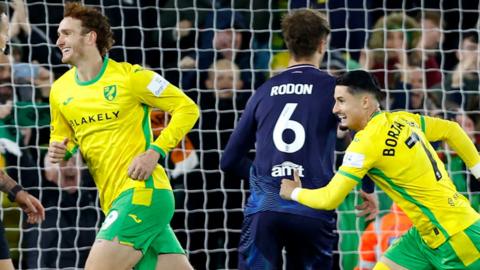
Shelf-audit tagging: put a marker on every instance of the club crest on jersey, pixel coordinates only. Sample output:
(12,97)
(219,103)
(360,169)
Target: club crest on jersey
(110,92)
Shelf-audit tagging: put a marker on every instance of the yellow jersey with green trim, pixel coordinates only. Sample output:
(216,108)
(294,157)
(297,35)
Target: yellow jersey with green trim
(108,118)
(394,150)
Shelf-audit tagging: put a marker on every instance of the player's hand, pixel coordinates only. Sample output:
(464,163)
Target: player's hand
(288,186)
(57,151)
(369,207)
(31,206)
(143,165)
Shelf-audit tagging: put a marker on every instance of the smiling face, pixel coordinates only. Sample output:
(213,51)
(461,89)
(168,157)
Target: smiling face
(354,111)
(72,41)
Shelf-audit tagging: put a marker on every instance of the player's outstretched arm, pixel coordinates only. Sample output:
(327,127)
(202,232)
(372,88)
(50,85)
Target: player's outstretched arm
(30,205)
(326,198)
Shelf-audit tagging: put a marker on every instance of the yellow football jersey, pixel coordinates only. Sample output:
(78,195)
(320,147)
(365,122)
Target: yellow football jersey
(394,150)
(108,118)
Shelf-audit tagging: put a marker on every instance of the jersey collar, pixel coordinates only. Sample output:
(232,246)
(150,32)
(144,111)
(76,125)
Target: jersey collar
(94,80)
(374,114)
(301,66)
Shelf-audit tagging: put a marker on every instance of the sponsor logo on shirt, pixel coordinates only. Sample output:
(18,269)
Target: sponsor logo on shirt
(354,160)
(110,92)
(157,85)
(94,118)
(287,168)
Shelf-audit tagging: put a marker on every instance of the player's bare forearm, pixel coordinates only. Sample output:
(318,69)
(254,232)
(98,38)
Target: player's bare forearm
(6,183)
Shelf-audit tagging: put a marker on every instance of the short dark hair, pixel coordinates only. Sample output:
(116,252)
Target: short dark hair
(360,81)
(92,20)
(303,30)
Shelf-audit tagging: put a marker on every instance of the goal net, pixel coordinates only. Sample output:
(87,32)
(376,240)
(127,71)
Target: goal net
(423,53)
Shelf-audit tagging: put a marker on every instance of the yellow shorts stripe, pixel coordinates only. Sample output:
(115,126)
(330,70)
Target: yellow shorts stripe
(463,246)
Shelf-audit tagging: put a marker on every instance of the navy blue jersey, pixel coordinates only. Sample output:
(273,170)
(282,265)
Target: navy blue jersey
(290,121)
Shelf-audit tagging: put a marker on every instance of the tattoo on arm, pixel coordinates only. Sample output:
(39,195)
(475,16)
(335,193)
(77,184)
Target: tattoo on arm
(6,183)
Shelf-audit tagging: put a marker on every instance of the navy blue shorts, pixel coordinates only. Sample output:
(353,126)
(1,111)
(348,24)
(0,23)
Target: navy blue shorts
(4,250)
(308,242)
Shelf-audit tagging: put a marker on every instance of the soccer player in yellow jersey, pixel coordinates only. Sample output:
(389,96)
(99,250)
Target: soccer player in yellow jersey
(394,150)
(103,108)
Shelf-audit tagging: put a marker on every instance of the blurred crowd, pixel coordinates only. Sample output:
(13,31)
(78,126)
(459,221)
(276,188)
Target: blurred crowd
(219,52)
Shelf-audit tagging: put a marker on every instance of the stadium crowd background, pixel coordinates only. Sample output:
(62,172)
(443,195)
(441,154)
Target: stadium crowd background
(424,53)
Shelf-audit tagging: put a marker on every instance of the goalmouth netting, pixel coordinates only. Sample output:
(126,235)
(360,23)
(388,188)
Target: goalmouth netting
(423,53)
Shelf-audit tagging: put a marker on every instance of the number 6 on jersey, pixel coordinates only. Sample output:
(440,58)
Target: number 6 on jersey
(283,123)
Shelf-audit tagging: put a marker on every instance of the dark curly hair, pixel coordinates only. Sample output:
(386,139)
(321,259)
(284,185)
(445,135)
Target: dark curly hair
(92,20)
(303,30)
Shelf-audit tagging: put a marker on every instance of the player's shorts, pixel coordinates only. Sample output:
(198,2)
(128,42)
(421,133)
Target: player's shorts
(308,241)
(140,218)
(461,251)
(4,250)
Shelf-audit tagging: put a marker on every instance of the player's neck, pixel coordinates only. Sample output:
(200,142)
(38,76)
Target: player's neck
(88,68)
(314,61)
(368,116)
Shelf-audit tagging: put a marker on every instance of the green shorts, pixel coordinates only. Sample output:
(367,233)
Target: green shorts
(461,251)
(140,218)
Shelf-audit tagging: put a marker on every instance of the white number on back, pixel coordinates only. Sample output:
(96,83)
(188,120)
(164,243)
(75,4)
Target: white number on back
(283,123)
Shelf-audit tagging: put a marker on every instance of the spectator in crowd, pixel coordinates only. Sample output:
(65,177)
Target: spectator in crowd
(392,37)
(380,234)
(410,94)
(30,26)
(225,36)
(65,238)
(26,79)
(221,106)
(461,87)
(179,25)
(428,46)
(16,122)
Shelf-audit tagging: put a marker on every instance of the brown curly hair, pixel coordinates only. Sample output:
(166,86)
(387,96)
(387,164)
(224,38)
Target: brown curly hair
(92,20)
(303,30)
